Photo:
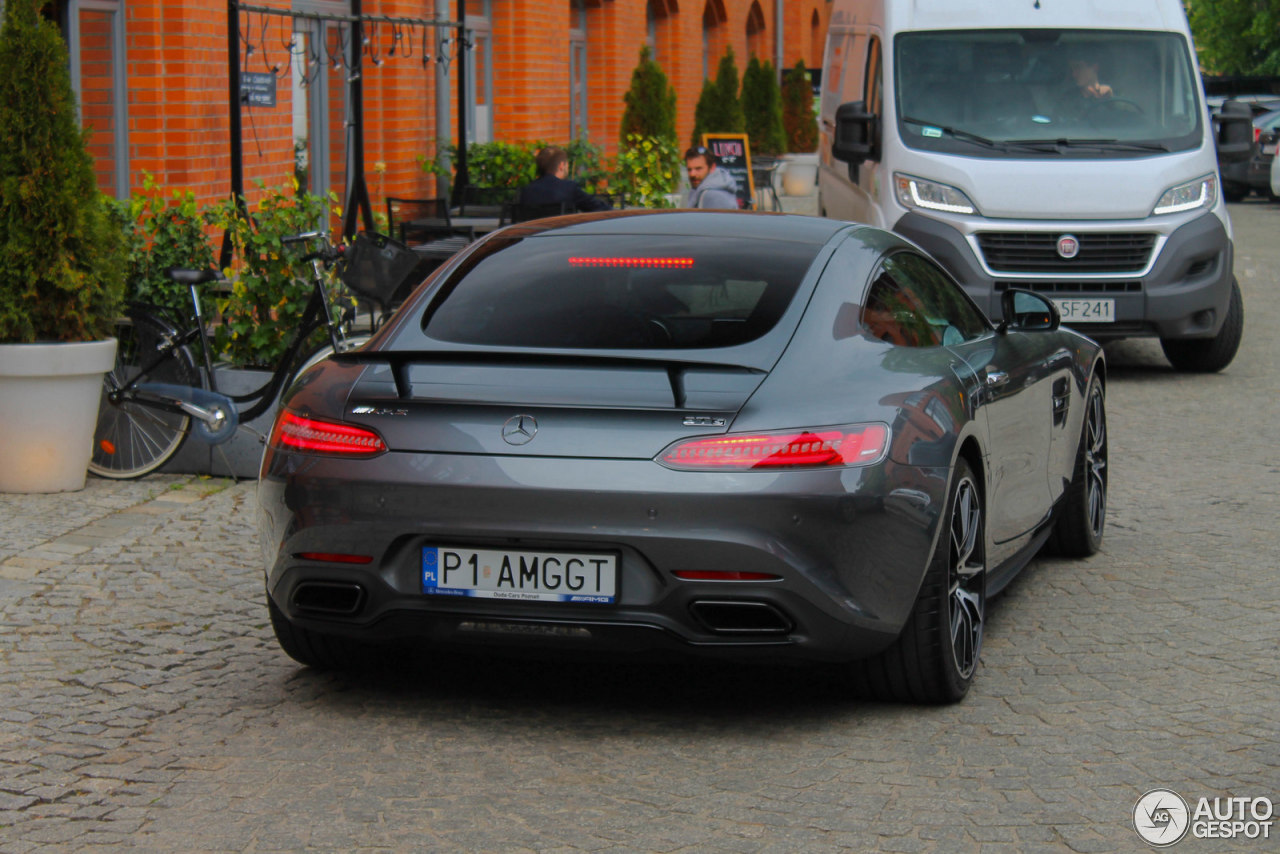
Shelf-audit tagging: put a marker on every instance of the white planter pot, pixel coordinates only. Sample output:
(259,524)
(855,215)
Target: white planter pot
(49,395)
(800,174)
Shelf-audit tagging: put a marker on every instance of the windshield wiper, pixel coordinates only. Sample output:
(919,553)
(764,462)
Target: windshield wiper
(957,133)
(1112,144)
(998,145)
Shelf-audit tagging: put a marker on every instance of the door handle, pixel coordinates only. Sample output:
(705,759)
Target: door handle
(995,379)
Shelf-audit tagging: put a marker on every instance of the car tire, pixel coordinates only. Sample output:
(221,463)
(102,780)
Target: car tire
(314,649)
(1233,192)
(936,655)
(1209,355)
(1082,518)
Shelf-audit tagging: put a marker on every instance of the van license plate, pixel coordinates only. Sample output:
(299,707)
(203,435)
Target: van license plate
(1086,310)
(519,575)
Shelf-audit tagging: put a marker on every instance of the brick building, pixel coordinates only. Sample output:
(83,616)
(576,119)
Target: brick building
(153,78)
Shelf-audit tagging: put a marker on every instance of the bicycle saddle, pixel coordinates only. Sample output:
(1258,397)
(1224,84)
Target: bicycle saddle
(184,276)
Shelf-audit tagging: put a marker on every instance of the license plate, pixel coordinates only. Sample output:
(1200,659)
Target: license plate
(1086,310)
(519,575)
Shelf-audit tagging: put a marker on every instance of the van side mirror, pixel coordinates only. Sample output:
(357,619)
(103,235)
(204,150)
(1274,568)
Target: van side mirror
(857,136)
(1234,136)
(1027,311)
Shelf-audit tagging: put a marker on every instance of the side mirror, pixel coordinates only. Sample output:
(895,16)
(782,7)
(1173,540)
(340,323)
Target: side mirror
(857,136)
(1027,311)
(1234,135)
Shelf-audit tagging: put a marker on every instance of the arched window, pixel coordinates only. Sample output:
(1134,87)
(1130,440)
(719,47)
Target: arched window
(814,59)
(757,35)
(714,39)
(658,33)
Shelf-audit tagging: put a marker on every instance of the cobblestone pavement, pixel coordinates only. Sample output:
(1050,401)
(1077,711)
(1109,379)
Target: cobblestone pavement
(145,706)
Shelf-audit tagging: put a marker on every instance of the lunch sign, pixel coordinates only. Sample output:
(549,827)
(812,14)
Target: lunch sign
(733,150)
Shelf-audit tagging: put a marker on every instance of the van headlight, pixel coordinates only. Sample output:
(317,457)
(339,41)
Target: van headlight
(1200,193)
(930,196)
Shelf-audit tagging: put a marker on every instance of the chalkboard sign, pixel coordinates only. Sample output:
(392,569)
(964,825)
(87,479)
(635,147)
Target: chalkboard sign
(258,88)
(734,153)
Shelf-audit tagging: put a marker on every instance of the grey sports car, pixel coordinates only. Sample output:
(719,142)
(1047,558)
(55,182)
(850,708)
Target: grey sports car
(729,433)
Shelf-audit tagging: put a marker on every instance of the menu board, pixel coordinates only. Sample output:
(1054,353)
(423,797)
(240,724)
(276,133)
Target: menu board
(734,153)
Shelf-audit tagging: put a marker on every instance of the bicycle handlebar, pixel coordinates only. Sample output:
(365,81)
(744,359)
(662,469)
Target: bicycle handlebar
(304,236)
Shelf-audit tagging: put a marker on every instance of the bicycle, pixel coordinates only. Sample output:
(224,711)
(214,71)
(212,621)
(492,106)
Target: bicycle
(155,397)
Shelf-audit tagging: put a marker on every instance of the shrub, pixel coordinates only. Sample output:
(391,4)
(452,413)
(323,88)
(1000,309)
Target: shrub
(165,233)
(586,165)
(270,288)
(762,108)
(61,248)
(797,110)
(650,102)
(648,168)
(719,109)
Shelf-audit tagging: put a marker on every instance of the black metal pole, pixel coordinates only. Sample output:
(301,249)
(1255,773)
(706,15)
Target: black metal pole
(237,143)
(357,190)
(460,54)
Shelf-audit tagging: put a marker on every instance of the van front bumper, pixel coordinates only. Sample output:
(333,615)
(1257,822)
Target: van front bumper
(1183,291)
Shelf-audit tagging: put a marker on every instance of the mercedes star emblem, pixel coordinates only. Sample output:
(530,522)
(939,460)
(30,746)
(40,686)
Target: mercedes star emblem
(520,429)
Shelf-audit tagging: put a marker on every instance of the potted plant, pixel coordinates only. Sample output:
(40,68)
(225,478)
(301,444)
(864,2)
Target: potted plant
(61,265)
(801,126)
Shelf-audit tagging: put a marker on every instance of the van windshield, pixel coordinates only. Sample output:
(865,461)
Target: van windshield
(1051,93)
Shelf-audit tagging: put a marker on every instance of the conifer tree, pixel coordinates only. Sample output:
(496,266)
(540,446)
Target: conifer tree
(797,110)
(719,108)
(650,102)
(762,108)
(61,250)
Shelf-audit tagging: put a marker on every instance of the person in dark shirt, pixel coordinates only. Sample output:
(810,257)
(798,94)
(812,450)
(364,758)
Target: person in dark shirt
(553,186)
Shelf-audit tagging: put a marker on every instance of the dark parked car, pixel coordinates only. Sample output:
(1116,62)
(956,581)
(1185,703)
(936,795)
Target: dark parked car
(739,434)
(1242,176)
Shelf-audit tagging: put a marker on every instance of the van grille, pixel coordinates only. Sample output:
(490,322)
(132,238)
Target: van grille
(1086,286)
(1037,252)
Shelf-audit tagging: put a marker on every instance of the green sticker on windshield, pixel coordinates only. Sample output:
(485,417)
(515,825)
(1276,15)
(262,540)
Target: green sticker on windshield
(931,131)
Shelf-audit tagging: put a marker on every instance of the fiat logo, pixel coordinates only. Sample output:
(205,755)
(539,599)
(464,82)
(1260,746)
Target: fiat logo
(1068,246)
(520,429)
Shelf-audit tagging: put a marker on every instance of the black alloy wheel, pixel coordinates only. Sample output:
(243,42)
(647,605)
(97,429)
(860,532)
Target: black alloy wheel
(1082,520)
(936,656)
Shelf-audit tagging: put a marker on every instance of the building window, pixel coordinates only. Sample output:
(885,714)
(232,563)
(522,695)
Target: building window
(577,69)
(480,71)
(94,30)
(815,41)
(713,36)
(757,38)
(319,98)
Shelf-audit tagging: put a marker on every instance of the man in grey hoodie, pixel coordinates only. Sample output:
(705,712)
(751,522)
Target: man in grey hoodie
(712,187)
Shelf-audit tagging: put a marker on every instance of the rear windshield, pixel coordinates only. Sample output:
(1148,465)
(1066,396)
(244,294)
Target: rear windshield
(620,291)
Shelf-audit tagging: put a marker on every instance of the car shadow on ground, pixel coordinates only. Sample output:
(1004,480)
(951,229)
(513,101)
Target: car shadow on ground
(676,689)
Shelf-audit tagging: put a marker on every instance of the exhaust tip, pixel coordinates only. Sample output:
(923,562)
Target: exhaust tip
(315,597)
(741,618)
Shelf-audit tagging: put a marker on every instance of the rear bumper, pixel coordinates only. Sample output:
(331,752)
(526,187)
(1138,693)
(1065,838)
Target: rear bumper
(1183,294)
(848,554)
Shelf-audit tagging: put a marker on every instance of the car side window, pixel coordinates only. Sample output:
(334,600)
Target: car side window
(913,303)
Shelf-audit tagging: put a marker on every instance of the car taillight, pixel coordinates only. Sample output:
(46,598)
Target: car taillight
(335,557)
(295,432)
(850,445)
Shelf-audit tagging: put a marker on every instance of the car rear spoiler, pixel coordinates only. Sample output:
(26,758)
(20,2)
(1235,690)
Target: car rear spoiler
(401,361)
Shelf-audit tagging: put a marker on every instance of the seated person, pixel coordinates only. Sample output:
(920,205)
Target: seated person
(1085,87)
(709,185)
(553,186)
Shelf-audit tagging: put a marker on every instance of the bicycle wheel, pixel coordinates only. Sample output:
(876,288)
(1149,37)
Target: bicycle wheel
(133,439)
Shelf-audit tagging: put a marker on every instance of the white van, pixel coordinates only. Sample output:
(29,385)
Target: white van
(1062,146)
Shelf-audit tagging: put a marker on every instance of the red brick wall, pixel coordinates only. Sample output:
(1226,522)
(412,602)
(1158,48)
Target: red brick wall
(178,115)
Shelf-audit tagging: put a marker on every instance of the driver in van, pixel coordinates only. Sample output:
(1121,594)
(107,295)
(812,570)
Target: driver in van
(1085,85)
